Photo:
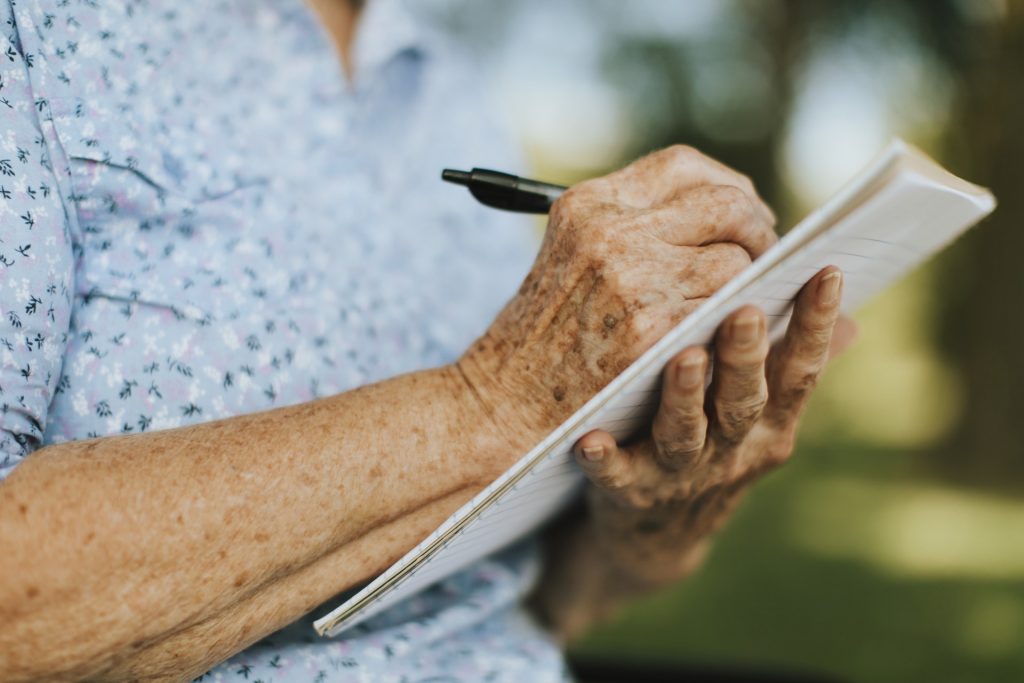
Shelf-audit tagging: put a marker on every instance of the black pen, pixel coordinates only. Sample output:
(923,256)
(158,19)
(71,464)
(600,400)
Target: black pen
(506,191)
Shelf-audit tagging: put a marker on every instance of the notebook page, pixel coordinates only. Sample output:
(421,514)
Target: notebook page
(890,219)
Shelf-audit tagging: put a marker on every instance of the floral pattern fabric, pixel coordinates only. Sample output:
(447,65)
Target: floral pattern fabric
(200,217)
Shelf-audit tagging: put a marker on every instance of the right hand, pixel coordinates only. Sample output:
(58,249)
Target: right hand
(624,259)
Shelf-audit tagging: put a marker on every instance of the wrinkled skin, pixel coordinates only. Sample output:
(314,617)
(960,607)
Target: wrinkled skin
(679,482)
(625,258)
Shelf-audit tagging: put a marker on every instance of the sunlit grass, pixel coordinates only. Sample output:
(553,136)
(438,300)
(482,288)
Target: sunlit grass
(910,529)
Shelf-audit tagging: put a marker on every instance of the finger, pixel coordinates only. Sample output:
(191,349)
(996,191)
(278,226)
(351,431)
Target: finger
(686,273)
(798,360)
(604,463)
(662,175)
(705,270)
(843,335)
(652,322)
(680,426)
(708,214)
(739,390)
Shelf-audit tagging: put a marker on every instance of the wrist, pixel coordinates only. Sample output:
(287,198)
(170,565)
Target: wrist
(525,394)
(481,427)
(508,393)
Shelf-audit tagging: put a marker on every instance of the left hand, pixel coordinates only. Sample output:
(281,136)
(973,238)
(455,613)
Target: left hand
(655,501)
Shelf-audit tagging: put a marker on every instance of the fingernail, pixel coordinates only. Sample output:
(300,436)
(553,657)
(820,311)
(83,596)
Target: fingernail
(690,372)
(744,330)
(828,288)
(593,453)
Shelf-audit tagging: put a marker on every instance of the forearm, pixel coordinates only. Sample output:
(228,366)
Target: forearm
(185,655)
(114,544)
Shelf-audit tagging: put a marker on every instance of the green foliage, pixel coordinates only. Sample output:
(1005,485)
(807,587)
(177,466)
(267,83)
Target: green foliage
(769,599)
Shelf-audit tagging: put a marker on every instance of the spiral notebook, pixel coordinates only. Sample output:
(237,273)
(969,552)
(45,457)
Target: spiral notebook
(901,209)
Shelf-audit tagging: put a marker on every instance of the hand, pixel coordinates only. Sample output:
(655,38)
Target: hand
(655,500)
(625,257)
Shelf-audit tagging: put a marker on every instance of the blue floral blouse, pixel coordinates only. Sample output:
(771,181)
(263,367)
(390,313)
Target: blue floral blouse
(199,217)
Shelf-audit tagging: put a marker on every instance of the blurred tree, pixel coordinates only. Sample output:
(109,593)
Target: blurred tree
(980,44)
(658,76)
(732,89)
(981,325)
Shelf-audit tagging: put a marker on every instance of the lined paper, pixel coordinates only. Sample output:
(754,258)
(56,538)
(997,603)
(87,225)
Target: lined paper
(895,214)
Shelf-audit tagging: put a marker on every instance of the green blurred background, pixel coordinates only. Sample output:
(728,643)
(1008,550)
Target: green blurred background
(892,547)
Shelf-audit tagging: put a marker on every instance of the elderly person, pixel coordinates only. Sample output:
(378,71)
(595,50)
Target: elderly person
(225,264)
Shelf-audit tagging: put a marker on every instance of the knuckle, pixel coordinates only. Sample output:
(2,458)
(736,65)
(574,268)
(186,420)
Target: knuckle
(687,415)
(681,452)
(681,153)
(738,414)
(806,381)
(611,479)
(797,389)
(574,202)
(816,325)
(681,411)
(734,258)
(730,196)
(820,334)
(812,344)
(733,207)
(682,435)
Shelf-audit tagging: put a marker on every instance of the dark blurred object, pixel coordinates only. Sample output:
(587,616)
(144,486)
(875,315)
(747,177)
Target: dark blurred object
(982,328)
(601,670)
(504,191)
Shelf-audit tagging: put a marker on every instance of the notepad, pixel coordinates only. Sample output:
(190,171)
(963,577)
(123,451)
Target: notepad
(901,209)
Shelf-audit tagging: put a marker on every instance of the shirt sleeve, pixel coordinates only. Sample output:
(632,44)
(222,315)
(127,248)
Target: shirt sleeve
(36,259)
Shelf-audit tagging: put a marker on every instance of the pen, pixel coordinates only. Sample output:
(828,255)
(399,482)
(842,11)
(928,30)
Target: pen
(505,191)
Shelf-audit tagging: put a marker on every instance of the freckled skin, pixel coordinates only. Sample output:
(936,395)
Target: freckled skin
(618,268)
(303,502)
(656,499)
(625,258)
(226,531)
